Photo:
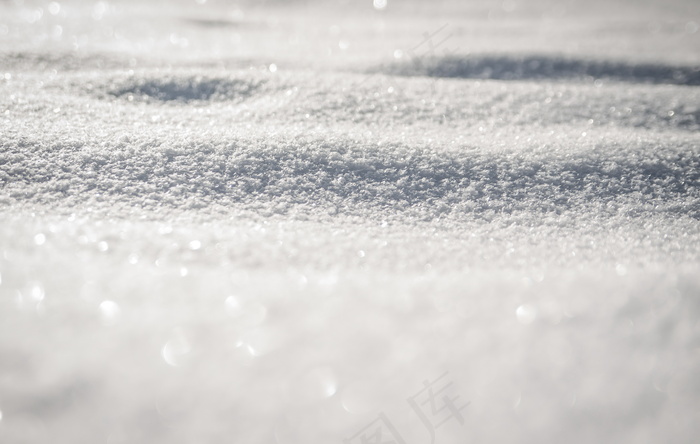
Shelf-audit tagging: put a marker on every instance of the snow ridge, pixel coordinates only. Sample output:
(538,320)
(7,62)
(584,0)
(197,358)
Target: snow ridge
(349,176)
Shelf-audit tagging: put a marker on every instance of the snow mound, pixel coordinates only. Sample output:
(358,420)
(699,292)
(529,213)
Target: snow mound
(216,226)
(354,175)
(542,67)
(186,89)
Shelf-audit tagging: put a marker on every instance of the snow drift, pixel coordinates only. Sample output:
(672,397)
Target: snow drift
(279,223)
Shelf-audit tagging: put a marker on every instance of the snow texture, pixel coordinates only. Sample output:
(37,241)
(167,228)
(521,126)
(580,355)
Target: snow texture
(269,223)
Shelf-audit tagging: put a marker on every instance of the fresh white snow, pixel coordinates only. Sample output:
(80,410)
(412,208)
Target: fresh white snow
(276,222)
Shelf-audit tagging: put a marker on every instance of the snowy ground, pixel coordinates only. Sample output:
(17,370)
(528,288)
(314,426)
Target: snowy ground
(271,222)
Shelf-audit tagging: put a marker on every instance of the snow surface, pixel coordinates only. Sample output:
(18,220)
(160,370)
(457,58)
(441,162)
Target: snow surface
(268,222)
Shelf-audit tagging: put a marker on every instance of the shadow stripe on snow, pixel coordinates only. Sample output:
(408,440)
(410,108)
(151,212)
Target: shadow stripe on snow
(542,67)
(349,175)
(178,88)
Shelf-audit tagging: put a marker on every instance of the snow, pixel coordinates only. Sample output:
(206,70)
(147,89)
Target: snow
(274,222)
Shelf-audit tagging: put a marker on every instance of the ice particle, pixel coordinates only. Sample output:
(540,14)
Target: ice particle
(380,4)
(175,352)
(526,314)
(54,8)
(109,310)
(620,269)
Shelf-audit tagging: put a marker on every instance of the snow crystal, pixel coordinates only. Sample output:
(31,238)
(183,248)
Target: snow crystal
(110,311)
(379,4)
(526,314)
(40,239)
